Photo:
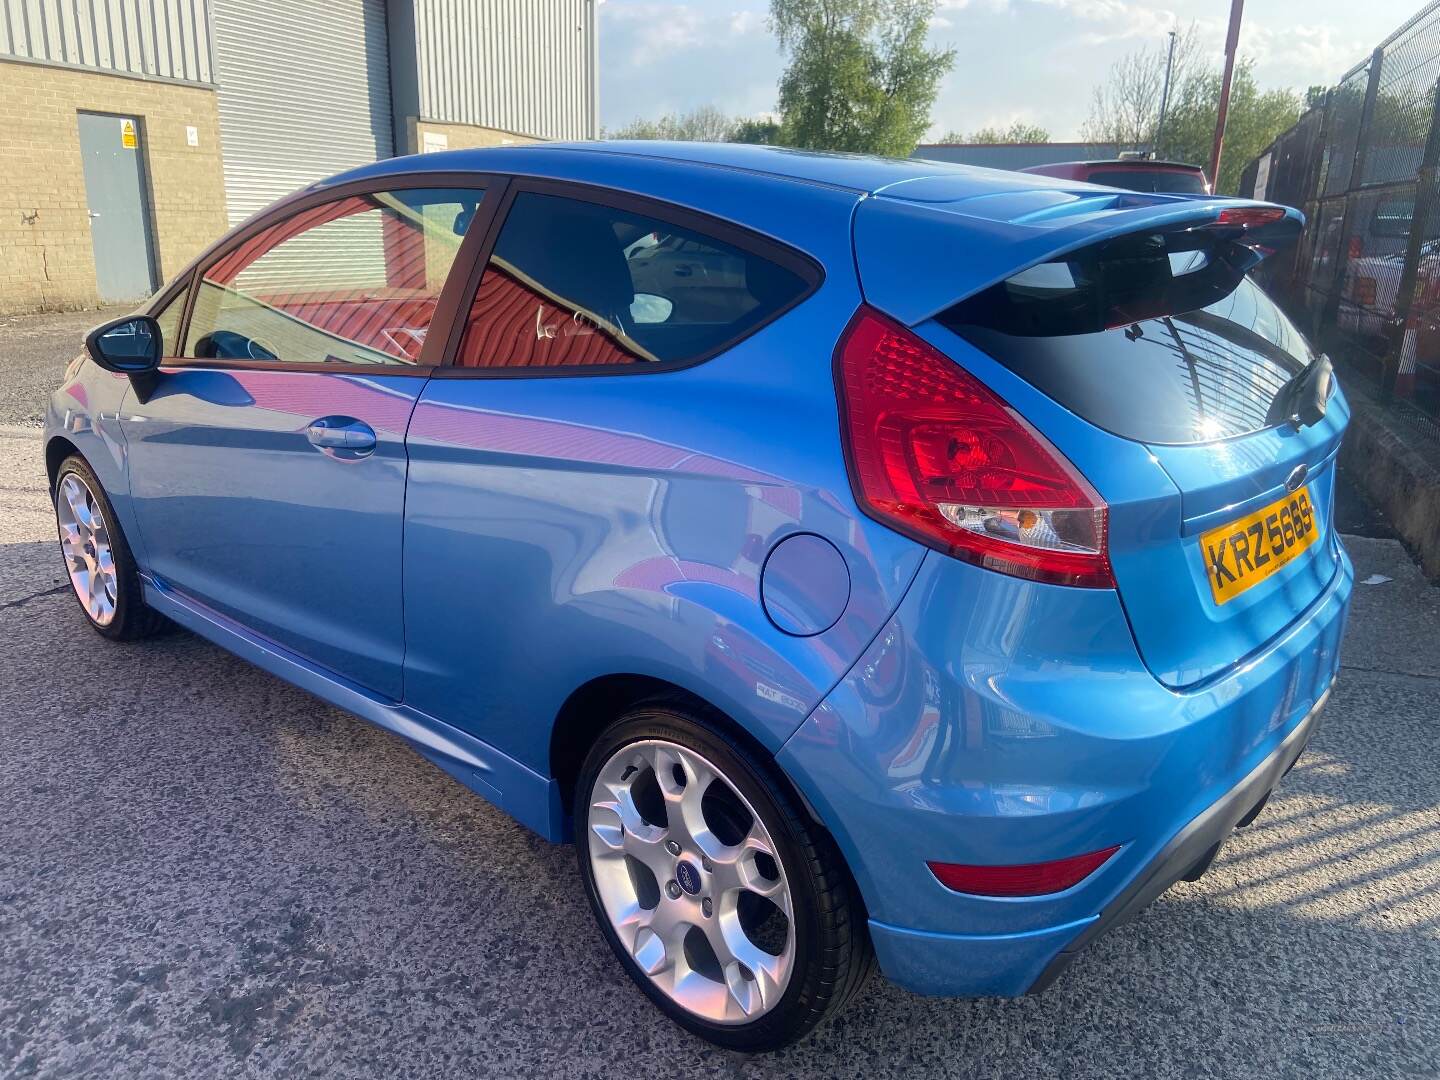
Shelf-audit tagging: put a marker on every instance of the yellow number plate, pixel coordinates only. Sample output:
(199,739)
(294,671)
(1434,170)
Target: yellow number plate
(1246,552)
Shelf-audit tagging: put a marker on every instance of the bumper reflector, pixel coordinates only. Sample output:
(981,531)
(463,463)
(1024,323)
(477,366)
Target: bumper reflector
(1029,879)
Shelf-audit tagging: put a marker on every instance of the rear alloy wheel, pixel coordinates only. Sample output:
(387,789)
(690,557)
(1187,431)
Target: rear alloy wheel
(101,569)
(726,905)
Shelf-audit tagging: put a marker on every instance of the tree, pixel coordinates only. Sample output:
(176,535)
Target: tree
(860,77)
(760,132)
(705,124)
(1125,108)
(1255,118)
(1017,132)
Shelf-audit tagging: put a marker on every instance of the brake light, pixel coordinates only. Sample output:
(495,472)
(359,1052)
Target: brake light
(938,456)
(1365,291)
(1250,215)
(1030,879)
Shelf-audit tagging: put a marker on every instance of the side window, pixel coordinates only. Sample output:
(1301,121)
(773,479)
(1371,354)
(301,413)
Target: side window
(354,281)
(576,283)
(169,319)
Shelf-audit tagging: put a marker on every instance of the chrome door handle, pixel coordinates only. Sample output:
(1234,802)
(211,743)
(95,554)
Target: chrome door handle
(342,433)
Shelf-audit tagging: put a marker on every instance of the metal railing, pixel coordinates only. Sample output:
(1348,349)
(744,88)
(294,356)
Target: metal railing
(1362,165)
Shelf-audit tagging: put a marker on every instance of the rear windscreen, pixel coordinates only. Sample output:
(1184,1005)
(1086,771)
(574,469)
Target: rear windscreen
(1158,338)
(1176,182)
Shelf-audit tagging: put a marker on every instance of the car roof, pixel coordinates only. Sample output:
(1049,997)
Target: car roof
(860,173)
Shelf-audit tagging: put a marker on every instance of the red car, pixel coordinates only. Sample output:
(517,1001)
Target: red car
(1133,175)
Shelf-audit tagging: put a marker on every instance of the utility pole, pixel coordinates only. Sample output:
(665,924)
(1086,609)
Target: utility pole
(1232,42)
(1164,98)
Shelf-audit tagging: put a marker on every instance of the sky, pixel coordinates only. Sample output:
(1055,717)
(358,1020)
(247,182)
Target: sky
(1032,60)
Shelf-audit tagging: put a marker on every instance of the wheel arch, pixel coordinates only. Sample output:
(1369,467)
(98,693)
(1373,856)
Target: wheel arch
(57,449)
(105,456)
(594,705)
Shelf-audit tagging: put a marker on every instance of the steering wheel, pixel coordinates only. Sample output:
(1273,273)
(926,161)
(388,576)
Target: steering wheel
(228,345)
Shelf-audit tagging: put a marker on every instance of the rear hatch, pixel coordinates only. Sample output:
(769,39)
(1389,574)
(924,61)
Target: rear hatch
(1186,397)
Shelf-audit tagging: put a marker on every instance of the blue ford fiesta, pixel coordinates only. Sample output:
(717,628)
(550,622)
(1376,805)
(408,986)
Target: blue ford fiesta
(863,561)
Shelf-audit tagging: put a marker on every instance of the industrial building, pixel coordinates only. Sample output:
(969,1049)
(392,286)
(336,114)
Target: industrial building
(135,132)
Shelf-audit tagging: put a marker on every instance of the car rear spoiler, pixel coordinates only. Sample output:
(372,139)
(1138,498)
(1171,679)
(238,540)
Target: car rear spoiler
(920,255)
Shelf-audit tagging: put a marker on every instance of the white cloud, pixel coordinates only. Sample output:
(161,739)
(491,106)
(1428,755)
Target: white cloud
(659,57)
(973,6)
(1302,56)
(746,22)
(652,29)
(1104,21)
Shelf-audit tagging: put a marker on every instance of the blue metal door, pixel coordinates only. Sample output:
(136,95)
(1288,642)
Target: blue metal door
(276,498)
(115,195)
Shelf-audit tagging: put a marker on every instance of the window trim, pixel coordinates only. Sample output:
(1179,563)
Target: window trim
(177,289)
(431,354)
(804,266)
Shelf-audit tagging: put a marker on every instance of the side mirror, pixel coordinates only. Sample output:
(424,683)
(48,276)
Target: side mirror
(130,346)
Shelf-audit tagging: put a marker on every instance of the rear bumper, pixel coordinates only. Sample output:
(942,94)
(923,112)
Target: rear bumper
(1194,847)
(961,737)
(1028,962)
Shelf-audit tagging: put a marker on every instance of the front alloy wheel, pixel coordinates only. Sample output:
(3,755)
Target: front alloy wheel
(727,906)
(85,543)
(97,558)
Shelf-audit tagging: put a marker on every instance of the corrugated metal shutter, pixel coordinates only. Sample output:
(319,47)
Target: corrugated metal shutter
(304,90)
(527,66)
(168,38)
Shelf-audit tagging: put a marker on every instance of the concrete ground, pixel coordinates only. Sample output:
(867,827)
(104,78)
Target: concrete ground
(34,350)
(207,873)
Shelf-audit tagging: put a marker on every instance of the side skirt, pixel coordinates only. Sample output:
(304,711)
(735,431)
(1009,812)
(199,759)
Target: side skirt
(531,799)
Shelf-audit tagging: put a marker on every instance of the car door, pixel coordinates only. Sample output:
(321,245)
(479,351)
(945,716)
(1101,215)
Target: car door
(586,495)
(268,467)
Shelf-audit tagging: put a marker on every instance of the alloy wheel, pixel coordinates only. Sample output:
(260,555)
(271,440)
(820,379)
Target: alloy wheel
(85,542)
(691,881)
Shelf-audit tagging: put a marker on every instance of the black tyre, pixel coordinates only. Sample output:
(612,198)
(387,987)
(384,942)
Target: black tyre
(729,907)
(97,558)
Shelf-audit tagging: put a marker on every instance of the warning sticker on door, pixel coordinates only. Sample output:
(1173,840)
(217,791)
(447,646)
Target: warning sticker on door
(127,134)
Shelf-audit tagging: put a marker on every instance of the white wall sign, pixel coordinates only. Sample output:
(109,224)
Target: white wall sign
(433,141)
(192,135)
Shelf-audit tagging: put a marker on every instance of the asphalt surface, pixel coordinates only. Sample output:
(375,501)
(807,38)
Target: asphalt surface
(33,353)
(207,873)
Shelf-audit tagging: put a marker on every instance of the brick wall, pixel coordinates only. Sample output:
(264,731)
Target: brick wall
(460,136)
(46,259)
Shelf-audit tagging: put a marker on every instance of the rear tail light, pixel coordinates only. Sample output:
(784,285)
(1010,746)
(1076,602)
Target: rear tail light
(1365,291)
(1030,879)
(936,455)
